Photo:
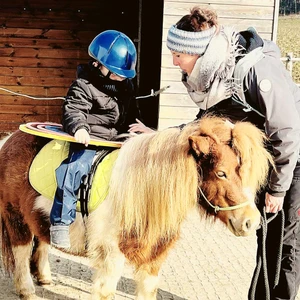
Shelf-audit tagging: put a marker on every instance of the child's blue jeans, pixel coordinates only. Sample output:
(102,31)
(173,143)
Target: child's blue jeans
(69,176)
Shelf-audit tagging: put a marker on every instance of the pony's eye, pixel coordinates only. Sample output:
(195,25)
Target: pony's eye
(221,174)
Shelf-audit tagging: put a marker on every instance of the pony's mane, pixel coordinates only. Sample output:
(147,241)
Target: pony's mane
(147,185)
(250,144)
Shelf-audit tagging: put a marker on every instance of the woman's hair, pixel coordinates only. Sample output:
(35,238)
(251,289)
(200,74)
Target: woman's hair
(199,19)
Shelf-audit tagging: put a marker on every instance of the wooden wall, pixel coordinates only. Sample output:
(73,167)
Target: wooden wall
(176,107)
(41,44)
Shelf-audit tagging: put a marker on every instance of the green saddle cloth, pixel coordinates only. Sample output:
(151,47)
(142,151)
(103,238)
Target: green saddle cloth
(43,179)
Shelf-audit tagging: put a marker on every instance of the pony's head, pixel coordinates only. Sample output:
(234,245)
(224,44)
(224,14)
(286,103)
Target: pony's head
(233,164)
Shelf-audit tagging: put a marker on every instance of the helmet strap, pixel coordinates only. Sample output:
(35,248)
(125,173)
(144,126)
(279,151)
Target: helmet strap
(108,74)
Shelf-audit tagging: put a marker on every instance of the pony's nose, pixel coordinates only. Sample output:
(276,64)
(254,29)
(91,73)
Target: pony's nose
(250,224)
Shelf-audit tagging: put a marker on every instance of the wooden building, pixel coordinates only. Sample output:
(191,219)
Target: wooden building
(176,107)
(42,42)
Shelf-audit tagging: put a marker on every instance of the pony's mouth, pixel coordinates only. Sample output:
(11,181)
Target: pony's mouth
(232,228)
(235,231)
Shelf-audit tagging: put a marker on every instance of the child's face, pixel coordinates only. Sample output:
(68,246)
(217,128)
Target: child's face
(105,71)
(185,62)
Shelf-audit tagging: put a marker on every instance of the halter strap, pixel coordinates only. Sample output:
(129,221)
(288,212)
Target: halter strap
(218,208)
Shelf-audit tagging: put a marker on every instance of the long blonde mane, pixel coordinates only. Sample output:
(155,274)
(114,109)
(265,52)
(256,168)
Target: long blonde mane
(155,179)
(154,184)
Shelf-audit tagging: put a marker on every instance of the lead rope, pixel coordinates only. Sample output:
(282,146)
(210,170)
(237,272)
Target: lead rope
(262,258)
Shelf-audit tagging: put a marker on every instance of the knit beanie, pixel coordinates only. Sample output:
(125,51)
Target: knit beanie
(189,42)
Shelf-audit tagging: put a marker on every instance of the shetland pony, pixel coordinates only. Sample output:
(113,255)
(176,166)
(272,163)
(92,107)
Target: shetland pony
(156,180)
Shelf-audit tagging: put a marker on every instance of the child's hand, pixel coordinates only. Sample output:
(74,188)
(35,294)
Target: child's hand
(82,136)
(139,127)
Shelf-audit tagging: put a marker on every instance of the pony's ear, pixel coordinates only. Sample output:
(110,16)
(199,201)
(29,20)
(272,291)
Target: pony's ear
(200,144)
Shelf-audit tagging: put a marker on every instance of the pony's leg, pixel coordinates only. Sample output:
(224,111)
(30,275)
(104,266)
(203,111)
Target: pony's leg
(147,279)
(22,277)
(39,264)
(17,241)
(109,266)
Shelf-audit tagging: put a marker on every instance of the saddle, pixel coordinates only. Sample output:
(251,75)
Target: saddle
(42,175)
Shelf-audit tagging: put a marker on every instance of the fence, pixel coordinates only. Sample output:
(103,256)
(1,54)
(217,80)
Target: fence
(289,60)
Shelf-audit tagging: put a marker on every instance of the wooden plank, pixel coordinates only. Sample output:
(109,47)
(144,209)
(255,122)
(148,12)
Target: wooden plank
(173,112)
(37,91)
(7,41)
(11,99)
(44,53)
(78,23)
(177,100)
(170,74)
(176,87)
(223,10)
(66,5)
(30,109)
(24,118)
(164,123)
(48,13)
(38,72)
(275,20)
(238,23)
(13,125)
(39,63)
(48,33)
(35,81)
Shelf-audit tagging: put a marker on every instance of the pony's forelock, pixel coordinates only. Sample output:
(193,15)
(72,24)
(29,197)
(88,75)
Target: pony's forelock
(249,143)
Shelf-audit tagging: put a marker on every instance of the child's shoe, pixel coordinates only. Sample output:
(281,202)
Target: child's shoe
(59,236)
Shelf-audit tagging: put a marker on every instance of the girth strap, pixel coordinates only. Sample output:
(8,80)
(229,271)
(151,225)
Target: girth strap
(86,185)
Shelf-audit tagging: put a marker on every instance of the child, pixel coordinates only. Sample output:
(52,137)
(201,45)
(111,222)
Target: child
(100,103)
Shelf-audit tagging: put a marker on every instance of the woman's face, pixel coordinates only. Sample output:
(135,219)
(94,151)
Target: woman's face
(185,62)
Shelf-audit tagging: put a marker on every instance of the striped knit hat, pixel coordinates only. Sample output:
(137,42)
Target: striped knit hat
(189,42)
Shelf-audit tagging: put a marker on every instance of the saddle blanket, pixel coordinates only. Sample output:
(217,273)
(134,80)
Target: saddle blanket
(43,179)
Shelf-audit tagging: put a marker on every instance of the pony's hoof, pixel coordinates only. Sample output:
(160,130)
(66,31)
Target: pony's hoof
(45,282)
(28,297)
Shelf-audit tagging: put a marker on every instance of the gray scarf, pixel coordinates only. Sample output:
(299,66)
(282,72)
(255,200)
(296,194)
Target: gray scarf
(211,80)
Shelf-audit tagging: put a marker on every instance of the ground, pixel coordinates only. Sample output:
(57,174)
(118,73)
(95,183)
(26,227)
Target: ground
(208,263)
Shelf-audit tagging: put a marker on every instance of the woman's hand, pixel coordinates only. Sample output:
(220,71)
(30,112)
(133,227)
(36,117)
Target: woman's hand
(82,136)
(273,204)
(139,127)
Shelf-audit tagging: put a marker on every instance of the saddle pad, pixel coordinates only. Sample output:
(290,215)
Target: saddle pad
(43,179)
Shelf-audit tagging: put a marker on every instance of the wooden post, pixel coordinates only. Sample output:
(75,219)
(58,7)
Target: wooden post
(289,63)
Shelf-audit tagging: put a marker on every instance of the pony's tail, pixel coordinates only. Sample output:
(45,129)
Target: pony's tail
(7,254)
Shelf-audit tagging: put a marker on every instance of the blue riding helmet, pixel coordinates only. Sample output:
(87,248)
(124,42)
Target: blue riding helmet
(114,50)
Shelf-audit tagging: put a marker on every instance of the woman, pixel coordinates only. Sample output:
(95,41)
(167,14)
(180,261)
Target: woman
(240,76)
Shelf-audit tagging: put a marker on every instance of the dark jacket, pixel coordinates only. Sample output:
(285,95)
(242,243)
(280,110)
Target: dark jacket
(280,105)
(102,106)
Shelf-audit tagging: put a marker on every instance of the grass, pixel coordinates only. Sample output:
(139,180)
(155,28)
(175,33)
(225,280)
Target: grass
(288,40)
